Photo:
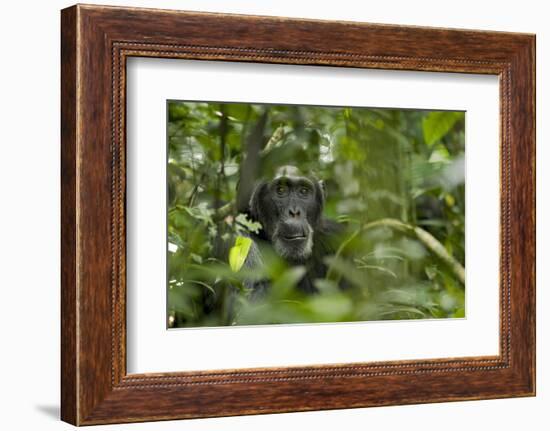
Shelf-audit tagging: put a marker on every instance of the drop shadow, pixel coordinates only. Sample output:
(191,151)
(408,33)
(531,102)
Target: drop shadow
(51,411)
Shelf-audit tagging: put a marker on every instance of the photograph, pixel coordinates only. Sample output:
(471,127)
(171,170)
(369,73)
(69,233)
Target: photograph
(295,214)
(328,211)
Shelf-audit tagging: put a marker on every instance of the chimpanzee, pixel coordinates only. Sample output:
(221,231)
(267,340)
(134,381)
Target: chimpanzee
(290,210)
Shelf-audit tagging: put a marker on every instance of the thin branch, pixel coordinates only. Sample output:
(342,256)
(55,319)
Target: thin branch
(223,211)
(277,136)
(426,238)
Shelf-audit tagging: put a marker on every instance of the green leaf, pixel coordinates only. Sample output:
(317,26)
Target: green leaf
(440,154)
(239,252)
(431,271)
(287,280)
(252,226)
(411,312)
(436,125)
(331,308)
(196,258)
(326,286)
(459,313)
(347,270)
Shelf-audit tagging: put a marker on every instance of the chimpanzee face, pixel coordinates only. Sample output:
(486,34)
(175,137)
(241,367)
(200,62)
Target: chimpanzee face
(289,208)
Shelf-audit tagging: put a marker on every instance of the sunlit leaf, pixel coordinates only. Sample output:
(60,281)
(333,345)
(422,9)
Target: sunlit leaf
(239,252)
(251,226)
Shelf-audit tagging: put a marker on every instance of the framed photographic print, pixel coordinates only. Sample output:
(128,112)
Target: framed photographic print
(259,216)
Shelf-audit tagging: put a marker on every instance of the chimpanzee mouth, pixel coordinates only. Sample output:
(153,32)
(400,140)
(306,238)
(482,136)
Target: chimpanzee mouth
(293,243)
(296,237)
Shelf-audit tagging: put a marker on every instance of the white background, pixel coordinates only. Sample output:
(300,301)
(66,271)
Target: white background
(151,348)
(29,228)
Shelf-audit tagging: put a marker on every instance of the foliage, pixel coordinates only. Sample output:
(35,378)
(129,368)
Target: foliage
(406,166)
(239,252)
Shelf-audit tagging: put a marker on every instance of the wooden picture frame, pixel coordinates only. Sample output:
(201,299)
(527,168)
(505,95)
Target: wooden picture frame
(95,43)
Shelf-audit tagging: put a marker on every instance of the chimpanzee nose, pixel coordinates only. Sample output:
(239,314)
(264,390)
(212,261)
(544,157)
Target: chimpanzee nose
(294,212)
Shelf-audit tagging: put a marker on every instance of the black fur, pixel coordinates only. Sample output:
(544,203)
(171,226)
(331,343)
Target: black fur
(290,209)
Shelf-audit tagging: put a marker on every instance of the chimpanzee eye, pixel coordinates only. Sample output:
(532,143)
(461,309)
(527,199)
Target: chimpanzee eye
(304,191)
(281,189)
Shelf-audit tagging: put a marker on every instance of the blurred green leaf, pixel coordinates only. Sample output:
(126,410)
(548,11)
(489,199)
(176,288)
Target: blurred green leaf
(287,280)
(332,308)
(440,154)
(436,125)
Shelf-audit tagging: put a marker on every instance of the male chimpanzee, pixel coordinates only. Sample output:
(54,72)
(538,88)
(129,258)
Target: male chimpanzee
(290,210)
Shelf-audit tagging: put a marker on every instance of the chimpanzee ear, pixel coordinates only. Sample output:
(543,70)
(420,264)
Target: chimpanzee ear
(323,190)
(255,205)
